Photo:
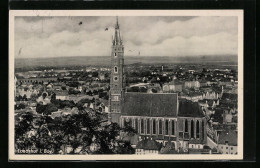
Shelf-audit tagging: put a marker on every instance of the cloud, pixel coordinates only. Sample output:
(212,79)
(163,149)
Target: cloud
(152,36)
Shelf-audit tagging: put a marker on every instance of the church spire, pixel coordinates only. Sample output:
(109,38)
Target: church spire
(117,25)
(117,39)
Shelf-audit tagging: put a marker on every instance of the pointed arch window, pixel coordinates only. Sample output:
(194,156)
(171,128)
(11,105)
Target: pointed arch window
(115,69)
(202,129)
(167,127)
(192,129)
(136,125)
(154,126)
(197,129)
(142,126)
(160,126)
(148,126)
(186,125)
(173,127)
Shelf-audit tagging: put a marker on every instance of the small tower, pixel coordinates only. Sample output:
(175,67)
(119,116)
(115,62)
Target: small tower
(117,79)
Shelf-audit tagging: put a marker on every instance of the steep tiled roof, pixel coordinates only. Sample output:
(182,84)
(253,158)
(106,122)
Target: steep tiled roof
(195,141)
(148,144)
(229,96)
(153,105)
(189,109)
(229,137)
(168,149)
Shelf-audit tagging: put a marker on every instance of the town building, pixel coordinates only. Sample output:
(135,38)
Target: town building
(192,84)
(147,146)
(227,142)
(173,86)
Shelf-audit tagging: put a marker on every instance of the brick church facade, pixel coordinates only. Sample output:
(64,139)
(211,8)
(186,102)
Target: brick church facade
(161,116)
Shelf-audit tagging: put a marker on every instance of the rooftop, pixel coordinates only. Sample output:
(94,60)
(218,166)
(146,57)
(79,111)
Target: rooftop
(148,144)
(229,137)
(189,109)
(150,104)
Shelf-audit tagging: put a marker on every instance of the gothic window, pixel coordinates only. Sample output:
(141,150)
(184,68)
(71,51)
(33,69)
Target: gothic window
(125,123)
(192,129)
(173,127)
(197,129)
(115,69)
(167,127)
(202,127)
(160,126)
(136,125)
(186,125)
(148,126)
(142,126)
(130,122)
(154,126)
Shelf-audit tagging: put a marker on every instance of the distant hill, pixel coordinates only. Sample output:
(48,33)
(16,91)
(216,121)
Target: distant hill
(105,60)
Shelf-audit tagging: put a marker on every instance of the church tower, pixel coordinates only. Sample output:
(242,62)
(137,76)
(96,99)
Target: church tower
(117,80)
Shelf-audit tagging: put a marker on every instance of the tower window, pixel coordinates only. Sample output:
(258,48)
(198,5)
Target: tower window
(115,54)
(115,70)
(115,78)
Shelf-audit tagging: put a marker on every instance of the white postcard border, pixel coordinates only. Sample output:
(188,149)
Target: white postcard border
(238,13)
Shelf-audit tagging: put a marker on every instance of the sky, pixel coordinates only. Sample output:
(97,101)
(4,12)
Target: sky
(175,36)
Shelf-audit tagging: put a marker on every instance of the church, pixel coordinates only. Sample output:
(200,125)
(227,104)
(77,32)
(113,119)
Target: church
(163,117)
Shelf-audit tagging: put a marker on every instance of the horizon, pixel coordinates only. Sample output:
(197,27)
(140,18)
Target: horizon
(126,56)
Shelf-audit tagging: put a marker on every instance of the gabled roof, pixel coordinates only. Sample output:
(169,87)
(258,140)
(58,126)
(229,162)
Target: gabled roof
(148,144)
(229,137)
(189,109)
(150,104)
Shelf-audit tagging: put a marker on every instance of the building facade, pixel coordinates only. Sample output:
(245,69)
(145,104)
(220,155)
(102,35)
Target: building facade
(159,116)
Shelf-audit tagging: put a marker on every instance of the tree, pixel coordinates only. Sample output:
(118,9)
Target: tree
(46,109)
(49,109)
(78,130)
(33,97)
(19,106)
(89,93)
(24,98)
(24,124)
(53,97)
(44,95)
